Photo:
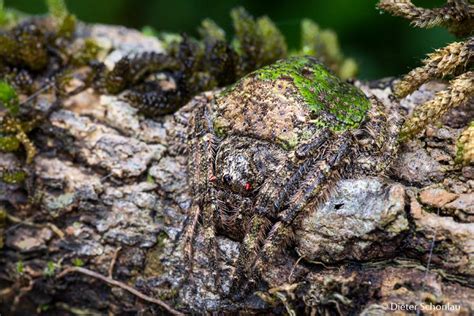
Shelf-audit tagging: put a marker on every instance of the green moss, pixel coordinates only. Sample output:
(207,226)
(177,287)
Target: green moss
(218,128)
(77,262)
(324,44)
(67,27)
(288,142)
(3,14)
(459,152)
(9,143)
(9,98)
(87,53)
(169,40)
(211,61)
(3,217)
(148,30)
(57,8)
(209,29)
(24,45)
(20,267)
(150,179)
(258,42)
(273,42)
(461,145)
(50,269)
(154,266)
(13,177)
(9,17)
(322,91)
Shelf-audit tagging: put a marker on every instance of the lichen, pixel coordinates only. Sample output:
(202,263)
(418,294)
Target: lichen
(13,130)
(321,90)
(13,176)
(465,146)
(197,65)
(258,42)
(36,55)
(324,44)
(3,219)
(57,9)
(9,98)
(9,143)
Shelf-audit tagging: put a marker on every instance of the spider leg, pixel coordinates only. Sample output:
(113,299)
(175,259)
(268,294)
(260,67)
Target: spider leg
(322,174)
(276,189)
(377,139)
(314,187)
(209,226)
(311,153)
(313,174)
(201,175)
(258,227)
(248,252)
(323,170)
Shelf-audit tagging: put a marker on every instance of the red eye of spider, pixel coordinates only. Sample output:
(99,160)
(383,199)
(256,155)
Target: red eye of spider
(212,178)
(248,186)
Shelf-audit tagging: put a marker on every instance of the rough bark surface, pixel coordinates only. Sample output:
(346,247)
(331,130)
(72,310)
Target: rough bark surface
(111,194)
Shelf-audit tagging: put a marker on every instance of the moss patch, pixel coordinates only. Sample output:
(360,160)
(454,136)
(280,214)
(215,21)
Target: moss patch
(335,103)
(13,177)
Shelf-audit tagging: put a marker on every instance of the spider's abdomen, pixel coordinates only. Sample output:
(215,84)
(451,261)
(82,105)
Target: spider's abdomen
(288,102)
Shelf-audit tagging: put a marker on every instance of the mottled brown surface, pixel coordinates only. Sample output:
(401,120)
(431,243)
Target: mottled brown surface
(249,110)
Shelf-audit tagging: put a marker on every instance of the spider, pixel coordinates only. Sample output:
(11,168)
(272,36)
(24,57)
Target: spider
(271,145)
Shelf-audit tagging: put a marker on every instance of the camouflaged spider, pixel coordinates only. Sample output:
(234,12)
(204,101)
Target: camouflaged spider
(274,143)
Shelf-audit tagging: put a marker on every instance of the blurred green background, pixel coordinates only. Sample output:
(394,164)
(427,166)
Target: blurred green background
(382,45)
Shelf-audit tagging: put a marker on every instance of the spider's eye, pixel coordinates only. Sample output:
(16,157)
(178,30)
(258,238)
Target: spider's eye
(227,179)
(247,186)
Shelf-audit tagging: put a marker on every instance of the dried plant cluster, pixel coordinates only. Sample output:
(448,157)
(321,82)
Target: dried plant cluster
(37,60)
(197,65)
(453,62)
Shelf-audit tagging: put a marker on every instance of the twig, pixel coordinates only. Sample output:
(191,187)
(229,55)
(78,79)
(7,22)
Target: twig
(293,268)
(22,292)
(18,221)
(112,264)
(38,92)
(121,285)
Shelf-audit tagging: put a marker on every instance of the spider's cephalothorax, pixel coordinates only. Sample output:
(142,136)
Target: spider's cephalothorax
(272,144)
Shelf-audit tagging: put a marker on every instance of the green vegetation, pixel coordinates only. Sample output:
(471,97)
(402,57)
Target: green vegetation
(321,90)
(325,45)
(20,267)
(211,61)
(51,268)
(77,262)
(9,98)
(57,9)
